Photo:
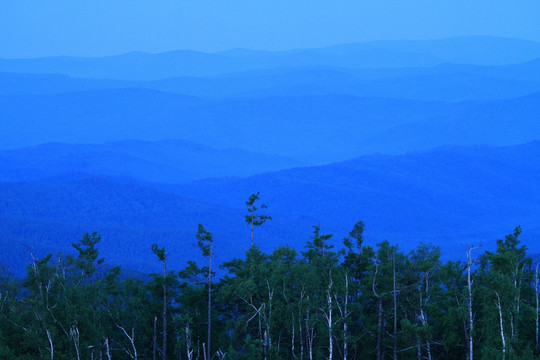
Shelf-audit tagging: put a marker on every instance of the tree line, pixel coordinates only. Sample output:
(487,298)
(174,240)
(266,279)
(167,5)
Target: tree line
(358,302)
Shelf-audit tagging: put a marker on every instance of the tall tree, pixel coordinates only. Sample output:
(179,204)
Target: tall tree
(320,284)
(162,256)
(507,276)
(252,218)
(358,262)
(252,290)
(470,314)
(206,244)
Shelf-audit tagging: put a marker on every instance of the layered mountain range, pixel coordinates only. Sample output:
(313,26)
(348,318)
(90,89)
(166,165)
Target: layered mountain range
(426,141)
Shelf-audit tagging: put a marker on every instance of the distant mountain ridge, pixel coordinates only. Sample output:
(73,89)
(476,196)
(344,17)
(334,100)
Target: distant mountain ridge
(315,105)
(446,81)
(142,66)
(163,161)
(450,196)
(312,128)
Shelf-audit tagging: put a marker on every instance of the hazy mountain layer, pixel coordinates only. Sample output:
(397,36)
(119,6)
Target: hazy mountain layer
(449,196)
(316,105)
(379,54)
(164,161)
(443,82)
(314,128)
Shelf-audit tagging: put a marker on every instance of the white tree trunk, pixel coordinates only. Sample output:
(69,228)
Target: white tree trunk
(107,350)
(154,339)
(131,338)
(75,336)
(537,303)
(292,335)
(189,350)
(423,314)
(51,346)
(329,319)
(268,319)
(310,332)
(501,325)
(301,337)
(469,302)
(346,314)
(164,344)
(394,293)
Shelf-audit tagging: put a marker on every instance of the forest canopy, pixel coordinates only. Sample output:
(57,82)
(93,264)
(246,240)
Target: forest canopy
(360,302)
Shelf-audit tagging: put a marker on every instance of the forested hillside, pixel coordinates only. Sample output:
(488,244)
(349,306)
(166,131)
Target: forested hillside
(448,196)
(363,302)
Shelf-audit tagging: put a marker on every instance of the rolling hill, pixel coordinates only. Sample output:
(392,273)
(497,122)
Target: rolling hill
(164,161)
(444,82)
(312,128)
(449,196)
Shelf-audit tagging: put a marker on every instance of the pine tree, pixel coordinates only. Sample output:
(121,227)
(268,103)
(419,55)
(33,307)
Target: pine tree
(252,218)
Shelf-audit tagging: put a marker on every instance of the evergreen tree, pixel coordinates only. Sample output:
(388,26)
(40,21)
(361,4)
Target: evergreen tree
(252,218)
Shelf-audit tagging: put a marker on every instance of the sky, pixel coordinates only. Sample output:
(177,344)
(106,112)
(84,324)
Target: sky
(34,28)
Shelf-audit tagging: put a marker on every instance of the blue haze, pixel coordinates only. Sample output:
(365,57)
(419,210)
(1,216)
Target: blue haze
(95,28)
(426,141)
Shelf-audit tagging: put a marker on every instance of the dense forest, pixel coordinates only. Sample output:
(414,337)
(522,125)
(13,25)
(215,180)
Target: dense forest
(356,302)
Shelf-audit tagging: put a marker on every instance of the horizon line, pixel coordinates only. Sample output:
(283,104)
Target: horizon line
(292,49)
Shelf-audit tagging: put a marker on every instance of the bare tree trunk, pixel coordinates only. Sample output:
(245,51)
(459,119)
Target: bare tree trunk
(267,320)
(310,331)
(501,325)
(210,300)
(346,314)
(131,339)
(51,346)
(380,321)
(301,336)
(75,336)
(154,340)
(164,345)
(537,304)
(469,302)
(292,336)
(428,342)
(189,350)
(423,315)
(517,285)
(345,348)
(221,355)
(330,321)
(107,350)
(380,330)
(394,293)
(512,329)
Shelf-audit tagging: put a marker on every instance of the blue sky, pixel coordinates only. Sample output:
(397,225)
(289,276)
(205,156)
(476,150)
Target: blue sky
(31,28)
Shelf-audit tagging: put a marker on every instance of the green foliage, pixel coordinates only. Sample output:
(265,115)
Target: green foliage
(251,218)
(361,301)
(88,253)
(159,252)
(204,240)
